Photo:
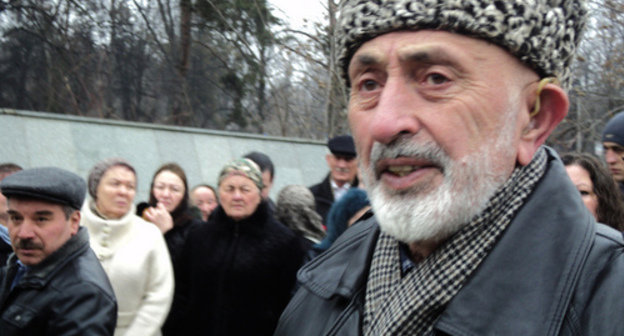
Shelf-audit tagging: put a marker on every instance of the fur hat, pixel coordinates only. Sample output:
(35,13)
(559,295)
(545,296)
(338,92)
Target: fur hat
(543,34)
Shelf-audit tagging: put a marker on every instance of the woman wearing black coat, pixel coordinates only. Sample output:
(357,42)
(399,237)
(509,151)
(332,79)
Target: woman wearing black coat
(168,208)
(237,272)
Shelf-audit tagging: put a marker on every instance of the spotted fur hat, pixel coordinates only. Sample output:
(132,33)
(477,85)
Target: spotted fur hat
(543,34)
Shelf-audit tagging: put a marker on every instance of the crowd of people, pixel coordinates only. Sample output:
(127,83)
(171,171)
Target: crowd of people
(189,261)
(452,217)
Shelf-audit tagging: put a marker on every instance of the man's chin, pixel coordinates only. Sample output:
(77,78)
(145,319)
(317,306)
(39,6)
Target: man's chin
(424,218)
(29,259)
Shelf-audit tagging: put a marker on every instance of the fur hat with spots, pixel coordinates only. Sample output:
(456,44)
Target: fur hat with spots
(543,34)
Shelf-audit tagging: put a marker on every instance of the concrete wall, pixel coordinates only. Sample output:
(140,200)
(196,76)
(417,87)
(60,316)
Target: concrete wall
(34,139)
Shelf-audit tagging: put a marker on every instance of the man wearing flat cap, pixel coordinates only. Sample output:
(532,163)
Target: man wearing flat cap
(613,145)
(477,230)
(53,284)
(342,174)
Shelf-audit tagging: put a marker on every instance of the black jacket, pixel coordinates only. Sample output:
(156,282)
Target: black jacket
(324,196)
(553,272)
(176,238)
(236,277)
(67,293)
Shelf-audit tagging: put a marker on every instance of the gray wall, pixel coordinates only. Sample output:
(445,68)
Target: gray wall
(34,139)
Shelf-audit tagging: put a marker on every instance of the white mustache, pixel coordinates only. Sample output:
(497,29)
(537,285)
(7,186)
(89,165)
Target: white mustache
(407,147)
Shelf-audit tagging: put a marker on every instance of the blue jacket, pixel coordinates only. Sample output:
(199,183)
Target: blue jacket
(67,293)
(553,272)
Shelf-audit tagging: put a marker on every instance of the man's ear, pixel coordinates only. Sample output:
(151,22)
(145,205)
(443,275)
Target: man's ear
(74,220)
(328,158)
(553,107)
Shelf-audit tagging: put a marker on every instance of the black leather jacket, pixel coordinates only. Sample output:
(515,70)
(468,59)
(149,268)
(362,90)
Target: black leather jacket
(553,272)
(67,293)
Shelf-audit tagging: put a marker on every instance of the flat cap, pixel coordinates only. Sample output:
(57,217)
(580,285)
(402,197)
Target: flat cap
(342,145)
(614,130)
(50,184)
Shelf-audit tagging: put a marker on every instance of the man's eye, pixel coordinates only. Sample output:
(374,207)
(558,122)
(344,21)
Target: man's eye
(369,85)
(436,79)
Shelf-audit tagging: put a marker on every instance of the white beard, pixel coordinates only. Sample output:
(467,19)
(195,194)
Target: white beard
(422,213)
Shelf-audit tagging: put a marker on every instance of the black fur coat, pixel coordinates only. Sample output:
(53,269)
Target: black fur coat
(236,277)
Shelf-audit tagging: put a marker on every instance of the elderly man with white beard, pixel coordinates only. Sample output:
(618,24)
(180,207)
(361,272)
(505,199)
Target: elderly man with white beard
(477,230)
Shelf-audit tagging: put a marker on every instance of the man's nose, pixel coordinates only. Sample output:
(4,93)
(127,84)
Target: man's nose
(396,111)
(341,162)
(26,230)
(611,156)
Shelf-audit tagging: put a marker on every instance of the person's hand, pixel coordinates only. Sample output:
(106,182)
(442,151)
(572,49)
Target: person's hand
(159,216)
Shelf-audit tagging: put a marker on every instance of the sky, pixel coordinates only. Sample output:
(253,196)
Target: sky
(296,11)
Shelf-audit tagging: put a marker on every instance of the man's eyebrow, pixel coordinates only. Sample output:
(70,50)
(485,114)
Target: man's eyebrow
(44,213)
(428,55)
(364,60)
(613,147)
(367,59)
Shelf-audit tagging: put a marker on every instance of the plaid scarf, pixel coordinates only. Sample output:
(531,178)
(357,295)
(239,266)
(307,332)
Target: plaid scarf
(410,304)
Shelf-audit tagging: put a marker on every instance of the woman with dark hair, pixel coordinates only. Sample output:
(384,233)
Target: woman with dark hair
(169,207)
(598,189)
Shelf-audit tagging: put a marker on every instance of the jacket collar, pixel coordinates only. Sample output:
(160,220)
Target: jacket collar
(343,268)
(525,284)
(254,223)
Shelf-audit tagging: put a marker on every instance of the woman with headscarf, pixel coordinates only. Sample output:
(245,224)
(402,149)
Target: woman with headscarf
(132,252)
(238,270)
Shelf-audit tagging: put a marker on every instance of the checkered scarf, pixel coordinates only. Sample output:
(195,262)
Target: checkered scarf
(411,304)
